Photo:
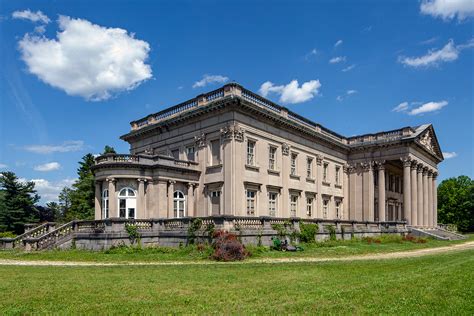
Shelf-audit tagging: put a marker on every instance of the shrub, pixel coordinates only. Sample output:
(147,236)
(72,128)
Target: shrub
(332,232)
(7,235)
(194,226)
(308,232)
(132,231)
(227,247)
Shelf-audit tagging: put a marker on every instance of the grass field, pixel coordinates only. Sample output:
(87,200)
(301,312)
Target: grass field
(324,249)
(441,284)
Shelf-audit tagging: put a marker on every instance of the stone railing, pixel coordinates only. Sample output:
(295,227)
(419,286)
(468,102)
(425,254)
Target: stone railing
(18,242)
(49,239)
(380,137)
(144,160)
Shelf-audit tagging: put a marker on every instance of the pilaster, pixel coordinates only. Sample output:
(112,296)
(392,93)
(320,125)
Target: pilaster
(113,211)
(97,200)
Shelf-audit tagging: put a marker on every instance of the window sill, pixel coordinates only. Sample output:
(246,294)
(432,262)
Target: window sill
(326,183)
(310,180)
(275,172)
(294,176)
(338,186)
(214,167)
(253,168)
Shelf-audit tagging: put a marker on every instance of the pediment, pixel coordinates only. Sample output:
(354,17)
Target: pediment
(427,139)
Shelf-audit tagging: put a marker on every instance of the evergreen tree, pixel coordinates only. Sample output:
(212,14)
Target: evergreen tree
(64,203)
(17,205)
(108,150)
(54,211)
(82,196)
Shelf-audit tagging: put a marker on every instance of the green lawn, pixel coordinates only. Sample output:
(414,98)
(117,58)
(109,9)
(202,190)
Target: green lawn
(324,249)
(442,284)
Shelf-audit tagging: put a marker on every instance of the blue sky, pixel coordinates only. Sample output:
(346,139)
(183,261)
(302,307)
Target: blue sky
(361,67)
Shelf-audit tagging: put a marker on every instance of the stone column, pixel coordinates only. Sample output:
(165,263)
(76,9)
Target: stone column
(113,210)
(171,198)
(345,183)
(435,200)
(371,202)
(381,180)
(98,200)
(425,197)
(319,182)
(190,211)
(430,199)
(414,199)
(407,189)
(141,212)
(419,183)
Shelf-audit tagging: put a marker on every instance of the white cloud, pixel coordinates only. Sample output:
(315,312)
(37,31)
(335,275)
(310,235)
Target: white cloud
(313,53)
(448,53)
(292,93)
(449,155)
(49,190)
(349,92)
(2,166)
(86,59)
(210,79)
(37,16)
(428,107)
(429,41)
(339,98)
(448,9)
(348,68)
(50,166)
(402,107)
(339,42)
(338,59)
(67,146)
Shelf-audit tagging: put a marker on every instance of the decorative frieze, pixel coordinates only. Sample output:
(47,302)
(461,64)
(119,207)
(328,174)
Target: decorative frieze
(427,141)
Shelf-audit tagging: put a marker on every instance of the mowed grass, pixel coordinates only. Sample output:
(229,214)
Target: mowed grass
(192,253)
(441,284)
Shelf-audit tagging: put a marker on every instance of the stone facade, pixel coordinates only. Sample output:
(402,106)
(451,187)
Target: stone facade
(231,152)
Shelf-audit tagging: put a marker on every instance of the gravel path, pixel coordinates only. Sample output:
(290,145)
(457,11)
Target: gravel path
(379,256)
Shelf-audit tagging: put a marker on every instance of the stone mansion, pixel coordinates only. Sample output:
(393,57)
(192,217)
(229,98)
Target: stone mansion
(233,152)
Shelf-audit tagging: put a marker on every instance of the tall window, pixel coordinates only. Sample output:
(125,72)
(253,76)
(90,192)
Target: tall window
(309,167)
(339,210)
(293,205)
(272,203)
(127,203)
(390,182)
(215,197)
(293,164)
(272,158)
(179,204)
(105,204)
(397,184)
(250,153)
(251,195)
(325,172)
(338,174)
(190,153)
(216,152)
(325,208)
(309,206)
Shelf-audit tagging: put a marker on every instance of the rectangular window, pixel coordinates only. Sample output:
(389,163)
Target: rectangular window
(325,208)
(293,205)
(251,195)
(325,172)
(272,158)
(250,153)
(272,203)
(390,182)
(216,152)
(338,210)
(397,184)
(215,202)
(122,208)
(190,153)
(309,206)
(175,154)
(338,175)
(293,164)
(309,167)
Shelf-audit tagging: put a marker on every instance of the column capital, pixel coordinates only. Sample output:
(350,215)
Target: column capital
(414,164)
(111,180)
(192,184)
(406,161)
(425,171)
(435,175)
(419,168)
(142,180)
(171,181)
(367,165)
(379,164)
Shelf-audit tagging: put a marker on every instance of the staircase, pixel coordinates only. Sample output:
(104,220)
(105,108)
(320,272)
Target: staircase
(19,241)
(437,233)
(52,239)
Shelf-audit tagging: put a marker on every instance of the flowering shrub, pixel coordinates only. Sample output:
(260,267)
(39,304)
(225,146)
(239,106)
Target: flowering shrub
(227,247)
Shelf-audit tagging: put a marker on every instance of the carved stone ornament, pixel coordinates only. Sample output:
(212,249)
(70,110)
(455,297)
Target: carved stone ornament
(406,161)
(379,164)
(200,140)
(366,166)
(232,131)
(149,151)
(319,159)
(285,149)
(427,141)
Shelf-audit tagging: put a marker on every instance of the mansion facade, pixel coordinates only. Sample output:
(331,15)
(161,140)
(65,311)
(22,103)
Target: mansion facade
(233,152)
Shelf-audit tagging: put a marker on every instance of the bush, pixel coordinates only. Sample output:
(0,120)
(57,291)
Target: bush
(7,235)
(227,247)
(308,232)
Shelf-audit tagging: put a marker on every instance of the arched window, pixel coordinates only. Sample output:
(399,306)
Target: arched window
(127,203)
(179,204)
(105,204)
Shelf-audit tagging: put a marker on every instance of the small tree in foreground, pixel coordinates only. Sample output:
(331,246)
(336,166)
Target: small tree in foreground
(227,247)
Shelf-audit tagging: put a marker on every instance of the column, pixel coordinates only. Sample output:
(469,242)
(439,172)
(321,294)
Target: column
(141,212)
(381,180)
(430,199)
(435,201)
(407,189)
(98,200)
(425,197)
(171,198)
(419,184)
(345,183)
(414,195)
(190,211)
(319,181)
(113,211)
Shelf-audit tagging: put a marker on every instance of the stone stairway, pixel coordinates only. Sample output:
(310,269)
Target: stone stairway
(437,233)
(19,241)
